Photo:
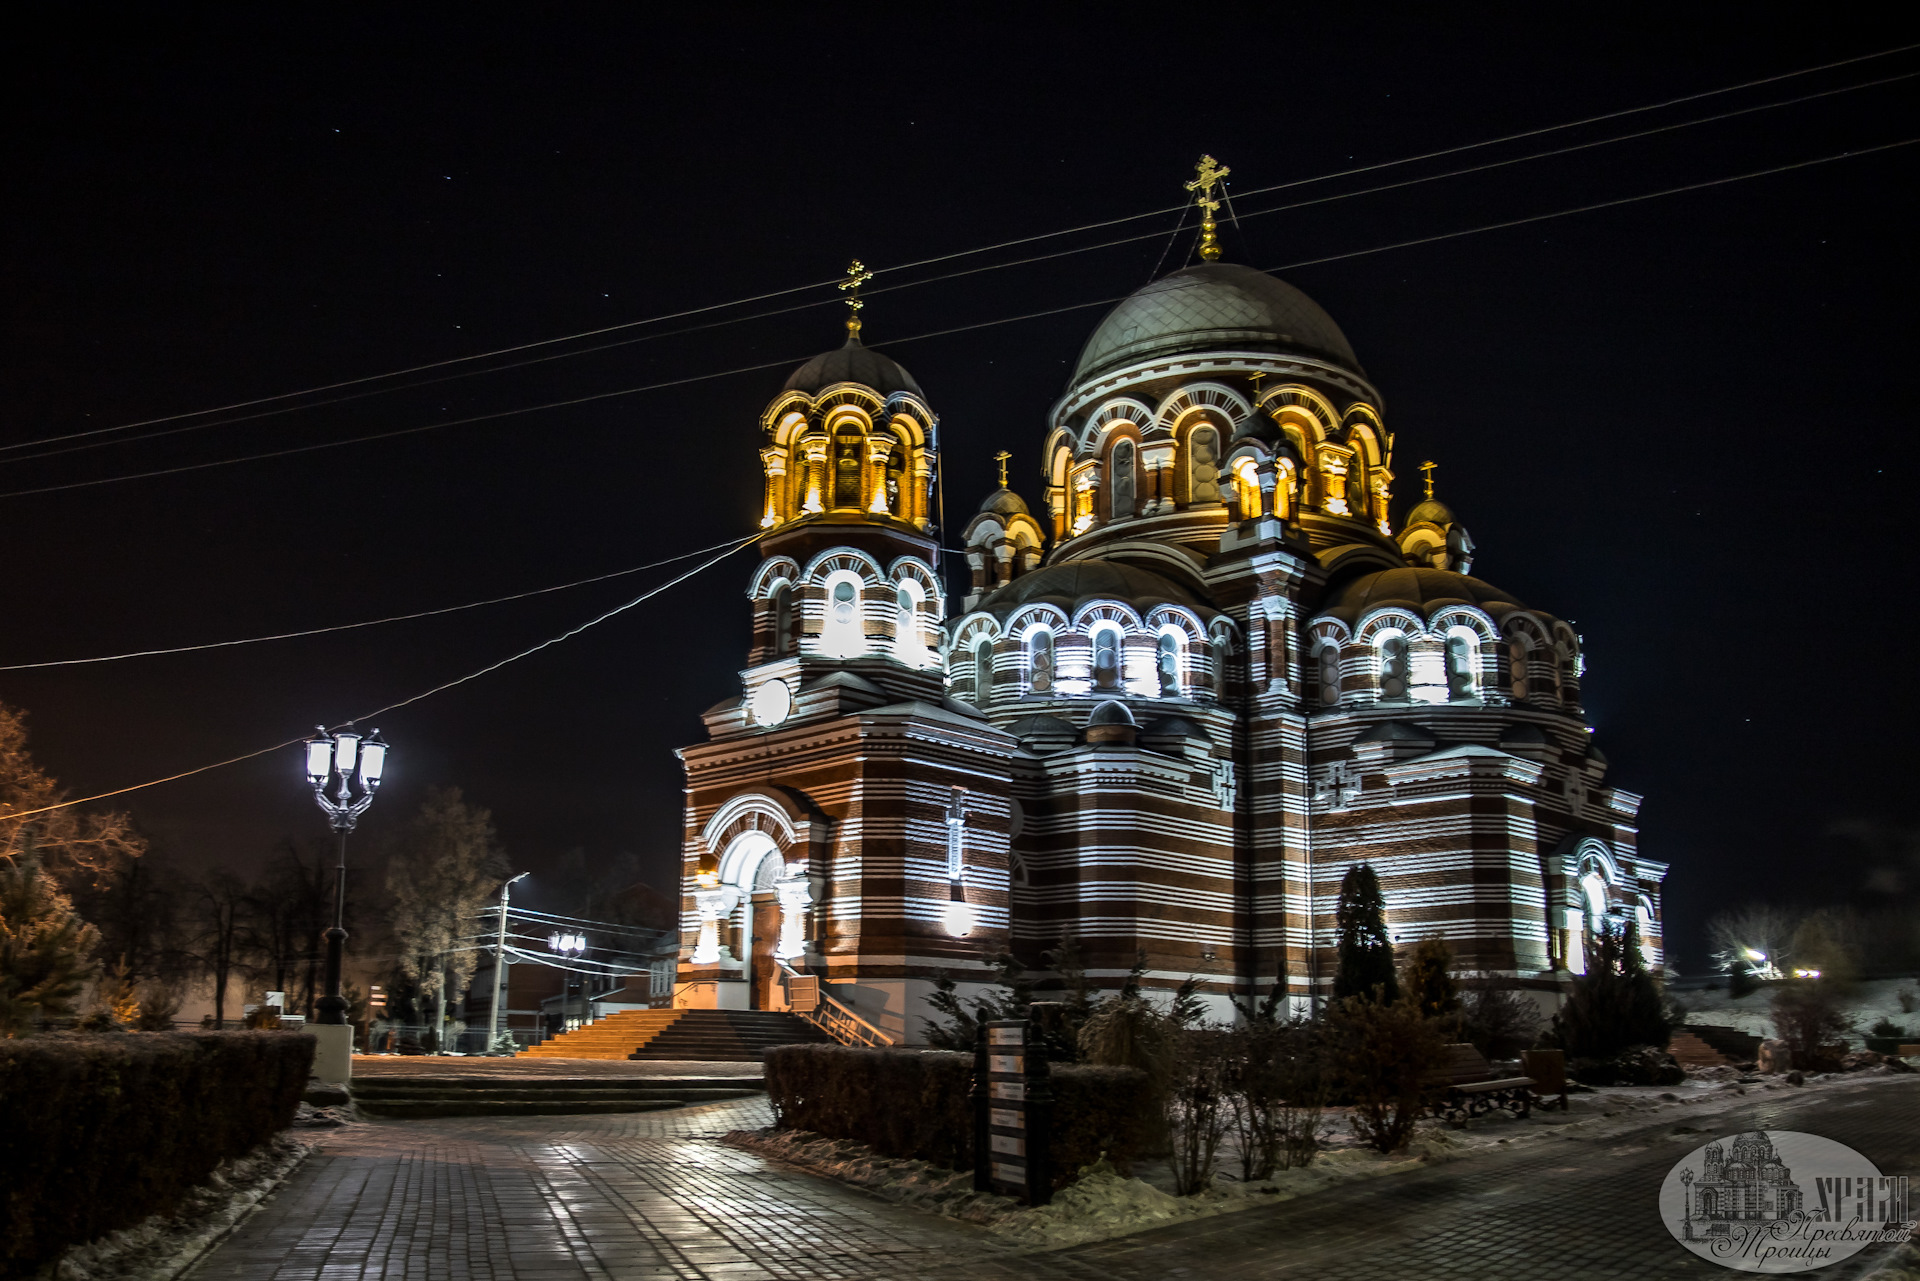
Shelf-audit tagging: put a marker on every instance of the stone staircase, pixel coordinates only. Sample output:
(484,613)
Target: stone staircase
(614,1037)
(728,1035)
(426,1096)
(1704,1045)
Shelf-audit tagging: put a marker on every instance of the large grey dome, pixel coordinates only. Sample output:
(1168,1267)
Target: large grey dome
(853,363)
(1214,305)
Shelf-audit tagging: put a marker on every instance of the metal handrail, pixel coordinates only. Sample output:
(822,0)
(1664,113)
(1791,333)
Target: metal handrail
(834,1018)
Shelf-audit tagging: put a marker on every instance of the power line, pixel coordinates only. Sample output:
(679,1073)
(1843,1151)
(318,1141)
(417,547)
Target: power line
(405,702)
(372,622)
(939,333)
(947,257)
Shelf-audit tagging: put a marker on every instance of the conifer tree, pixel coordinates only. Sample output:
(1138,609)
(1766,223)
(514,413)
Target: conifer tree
(1428,983)
(1366,953)
(1616,1004)
(45,949)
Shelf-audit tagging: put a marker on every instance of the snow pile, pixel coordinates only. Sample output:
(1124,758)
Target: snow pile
(163,1247)
(1102,1203)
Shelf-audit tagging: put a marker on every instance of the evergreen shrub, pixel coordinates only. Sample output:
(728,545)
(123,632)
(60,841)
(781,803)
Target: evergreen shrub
(97,1132)
(918,1105)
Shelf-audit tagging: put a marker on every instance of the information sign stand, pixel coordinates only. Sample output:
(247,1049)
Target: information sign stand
(1012,1101)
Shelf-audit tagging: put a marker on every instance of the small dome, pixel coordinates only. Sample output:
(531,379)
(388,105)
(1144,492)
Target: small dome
(1072,583)
(1004,502)
(1209,306)
(1432,512)
(1420,591)
(1111,712)
(853,363)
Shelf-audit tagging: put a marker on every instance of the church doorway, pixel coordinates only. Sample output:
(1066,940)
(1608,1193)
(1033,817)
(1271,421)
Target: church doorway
(765,909)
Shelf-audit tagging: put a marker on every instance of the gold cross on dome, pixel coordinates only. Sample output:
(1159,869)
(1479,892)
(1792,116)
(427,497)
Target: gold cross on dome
(1428,467)
(1208,172)
(1001,458)
(857,275)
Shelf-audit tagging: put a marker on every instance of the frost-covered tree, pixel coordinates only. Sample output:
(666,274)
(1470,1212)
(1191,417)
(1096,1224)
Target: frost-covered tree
(1360,927)
(46,950)
(446,865)
(75,848)
(1428,982)
(1741,936)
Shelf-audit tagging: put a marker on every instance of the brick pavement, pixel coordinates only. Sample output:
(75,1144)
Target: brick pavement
(649,1195)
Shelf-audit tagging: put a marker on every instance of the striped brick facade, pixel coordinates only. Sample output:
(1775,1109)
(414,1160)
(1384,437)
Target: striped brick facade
(1168,715)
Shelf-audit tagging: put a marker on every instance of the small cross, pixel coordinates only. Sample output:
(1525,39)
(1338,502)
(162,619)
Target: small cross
(1001,458)
(857,275)
(1428,467)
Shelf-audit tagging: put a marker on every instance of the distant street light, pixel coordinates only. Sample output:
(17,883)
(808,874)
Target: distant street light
(570,946)
(500,965)
(354,765)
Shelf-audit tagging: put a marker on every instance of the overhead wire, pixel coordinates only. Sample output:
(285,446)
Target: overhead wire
(371,622)
(947,257)
(937,333)
(405,702)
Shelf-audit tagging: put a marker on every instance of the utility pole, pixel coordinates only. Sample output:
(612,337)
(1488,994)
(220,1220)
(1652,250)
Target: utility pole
(500,966)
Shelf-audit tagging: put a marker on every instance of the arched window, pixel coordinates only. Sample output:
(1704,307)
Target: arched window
(1517,658)
(1393,666)
(1106,658)
(898,497)
(782,620)
(1329,676)
(847,465)
(1357,486)
(982,672)
(1222,655)
(1121,489)
(1462,662)
(1246,488)
(1167,661)
(908,644)
(1203,465)
(1040,661)
(844,635)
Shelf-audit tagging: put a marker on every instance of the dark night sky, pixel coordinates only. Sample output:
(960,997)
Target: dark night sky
(1686,423)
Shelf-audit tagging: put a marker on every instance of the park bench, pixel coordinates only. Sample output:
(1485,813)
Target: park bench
(1464,1086)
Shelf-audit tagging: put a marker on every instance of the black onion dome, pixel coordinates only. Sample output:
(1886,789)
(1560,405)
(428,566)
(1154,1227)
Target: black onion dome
(1210,306)
(1420,591)
(1074,583)
(1004,502)
(853,363)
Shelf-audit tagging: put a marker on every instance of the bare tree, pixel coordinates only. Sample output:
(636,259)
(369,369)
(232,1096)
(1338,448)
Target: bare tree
(220,939)
(1736,934)
(287,919)
(445,867)
(76,848)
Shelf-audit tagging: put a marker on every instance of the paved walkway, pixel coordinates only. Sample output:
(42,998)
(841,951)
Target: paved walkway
(649,1195)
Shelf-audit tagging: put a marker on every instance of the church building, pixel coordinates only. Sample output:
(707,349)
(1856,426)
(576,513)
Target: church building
(1170,709)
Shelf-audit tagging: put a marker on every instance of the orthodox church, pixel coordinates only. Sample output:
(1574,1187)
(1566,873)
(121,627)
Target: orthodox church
(1171,709)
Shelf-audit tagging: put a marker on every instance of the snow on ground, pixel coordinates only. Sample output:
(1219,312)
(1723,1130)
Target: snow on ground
(1870,1002)
(1104,1204)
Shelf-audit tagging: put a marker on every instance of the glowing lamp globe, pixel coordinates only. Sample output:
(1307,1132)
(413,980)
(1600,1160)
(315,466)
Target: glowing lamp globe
(346,750)
(373,760)
(319,757)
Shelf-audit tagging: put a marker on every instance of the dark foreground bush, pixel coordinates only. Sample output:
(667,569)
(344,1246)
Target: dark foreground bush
(907,1103)
(1641,1065)
(99,1131)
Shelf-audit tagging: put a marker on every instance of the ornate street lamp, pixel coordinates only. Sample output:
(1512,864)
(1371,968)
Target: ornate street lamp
(570,946)
(352,766)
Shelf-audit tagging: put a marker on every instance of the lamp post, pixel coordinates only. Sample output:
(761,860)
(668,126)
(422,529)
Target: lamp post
(500,965)
(353,766)
(570,946)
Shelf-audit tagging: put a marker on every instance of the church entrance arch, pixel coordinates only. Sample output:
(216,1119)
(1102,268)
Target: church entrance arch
(753,864)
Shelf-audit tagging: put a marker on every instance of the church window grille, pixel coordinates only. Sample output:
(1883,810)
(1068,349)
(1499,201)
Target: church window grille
(1167,661)
(1393,666)
(1518,658)
(1040,661)
(1222,655)
(1122,486)
(982,672)
(1203,464)
(1330,676)
(1106,658)
(1461,664)
(843,636)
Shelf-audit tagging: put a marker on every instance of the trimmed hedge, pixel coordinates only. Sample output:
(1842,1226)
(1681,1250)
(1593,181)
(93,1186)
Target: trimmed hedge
(916,1104)
(98,1131)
